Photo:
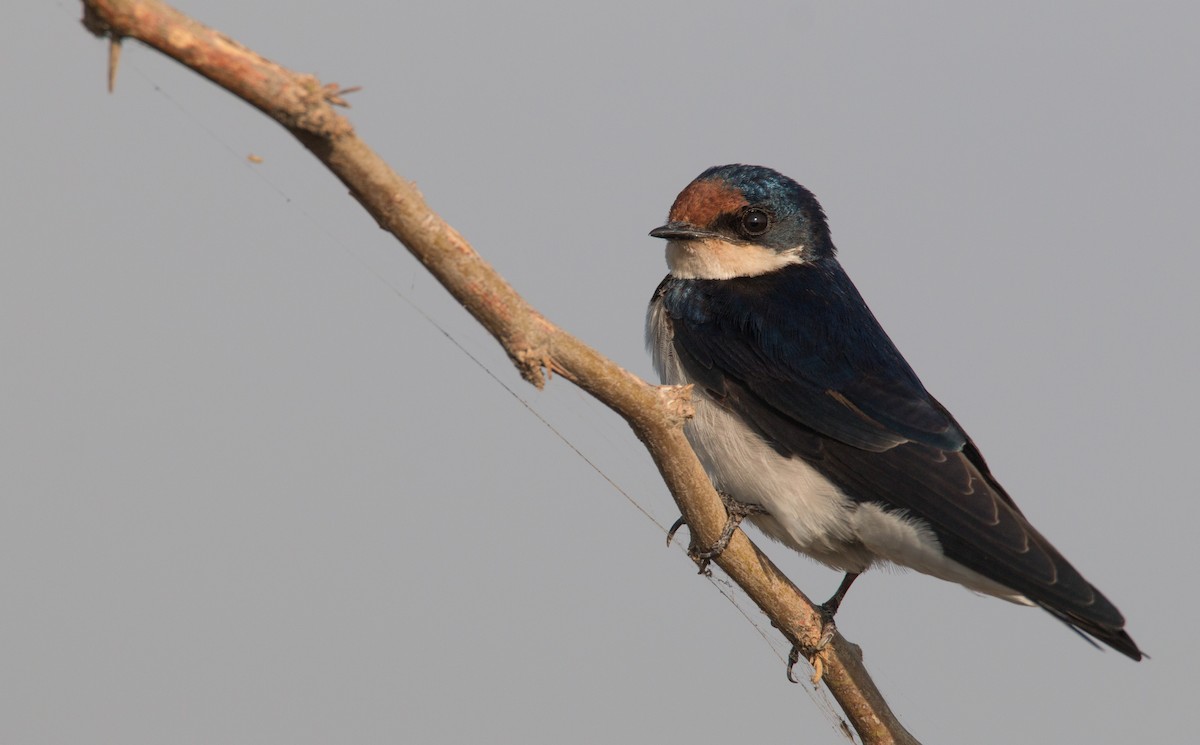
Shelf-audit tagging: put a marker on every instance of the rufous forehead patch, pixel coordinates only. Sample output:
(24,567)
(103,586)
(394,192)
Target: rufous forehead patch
(702,201)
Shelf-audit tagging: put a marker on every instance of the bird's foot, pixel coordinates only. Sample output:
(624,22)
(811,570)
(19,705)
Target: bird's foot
(735,512)
(827,610)
(812,654)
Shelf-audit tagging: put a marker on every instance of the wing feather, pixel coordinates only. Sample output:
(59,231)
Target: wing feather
(821,380)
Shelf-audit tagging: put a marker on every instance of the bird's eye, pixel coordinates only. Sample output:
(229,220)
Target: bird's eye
(754,223)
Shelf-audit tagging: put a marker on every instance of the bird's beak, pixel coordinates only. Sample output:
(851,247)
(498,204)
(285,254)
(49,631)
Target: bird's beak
(680,231)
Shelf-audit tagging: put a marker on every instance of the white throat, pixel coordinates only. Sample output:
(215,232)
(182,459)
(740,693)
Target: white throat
(712,258)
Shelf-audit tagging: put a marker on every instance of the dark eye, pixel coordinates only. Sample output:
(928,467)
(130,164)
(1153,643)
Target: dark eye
(754,223)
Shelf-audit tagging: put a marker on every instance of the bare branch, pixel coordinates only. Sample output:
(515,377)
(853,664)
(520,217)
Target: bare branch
(536,346)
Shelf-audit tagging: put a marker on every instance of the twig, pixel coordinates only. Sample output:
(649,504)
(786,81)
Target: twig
(536,346)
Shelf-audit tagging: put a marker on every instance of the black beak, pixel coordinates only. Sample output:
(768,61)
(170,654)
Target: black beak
(679,231)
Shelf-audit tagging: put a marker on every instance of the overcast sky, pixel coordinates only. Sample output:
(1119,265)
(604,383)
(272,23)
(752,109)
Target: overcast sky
(250,494)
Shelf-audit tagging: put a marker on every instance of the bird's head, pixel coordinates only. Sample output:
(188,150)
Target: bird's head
(742,221)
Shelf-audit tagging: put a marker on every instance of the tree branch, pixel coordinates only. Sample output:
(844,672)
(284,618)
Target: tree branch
(537,347)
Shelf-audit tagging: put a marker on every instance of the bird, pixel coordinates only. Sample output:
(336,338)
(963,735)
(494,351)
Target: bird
(809,419)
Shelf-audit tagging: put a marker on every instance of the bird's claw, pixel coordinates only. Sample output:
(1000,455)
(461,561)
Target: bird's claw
(828,627)
(675,529)
(813,653)
(701,562)
(827,632)
(814,658)
(735,512)
(793,658)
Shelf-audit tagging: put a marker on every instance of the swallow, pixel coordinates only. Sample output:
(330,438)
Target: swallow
(808,416)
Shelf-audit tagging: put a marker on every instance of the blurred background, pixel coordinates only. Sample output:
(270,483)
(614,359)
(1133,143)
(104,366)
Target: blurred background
(250,492)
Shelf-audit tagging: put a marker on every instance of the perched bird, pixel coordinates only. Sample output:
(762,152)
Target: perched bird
(807,415)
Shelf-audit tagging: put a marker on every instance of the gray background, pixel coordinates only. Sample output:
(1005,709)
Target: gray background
(249,494)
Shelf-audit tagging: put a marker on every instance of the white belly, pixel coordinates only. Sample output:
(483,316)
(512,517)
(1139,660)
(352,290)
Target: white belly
(804,510)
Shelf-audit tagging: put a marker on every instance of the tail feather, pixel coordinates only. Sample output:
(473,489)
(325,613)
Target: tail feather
(1113,636)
